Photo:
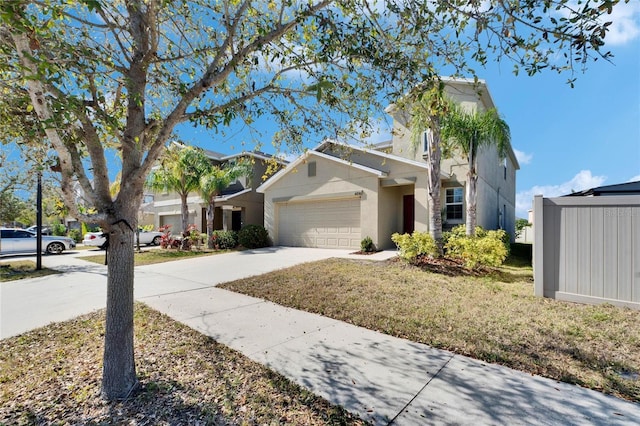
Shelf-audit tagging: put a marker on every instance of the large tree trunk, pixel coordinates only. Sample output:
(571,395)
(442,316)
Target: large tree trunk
(210,216)
(119,372)
(434,154)
(472,182)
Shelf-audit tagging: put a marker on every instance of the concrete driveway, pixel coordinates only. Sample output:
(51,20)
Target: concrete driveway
(81,288)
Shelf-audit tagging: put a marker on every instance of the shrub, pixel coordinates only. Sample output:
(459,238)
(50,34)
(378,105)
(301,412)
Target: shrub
(225,240)
(58,229)
(192,237)
(486,248)
(367,246)
(76,234)
(415,245)
(253,236)
(167,240)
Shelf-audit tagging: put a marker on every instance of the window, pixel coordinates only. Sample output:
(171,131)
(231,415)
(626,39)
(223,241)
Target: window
(453,203)
(425,141)
(311,169)
(504,165)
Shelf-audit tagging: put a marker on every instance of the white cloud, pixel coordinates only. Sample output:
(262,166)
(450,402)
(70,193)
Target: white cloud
(583,180)
(624,18)
(625,27)
(522,157)
(634,179)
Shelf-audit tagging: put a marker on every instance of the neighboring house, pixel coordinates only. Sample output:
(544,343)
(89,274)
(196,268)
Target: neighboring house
(238,205)
(335,195)
(629,188)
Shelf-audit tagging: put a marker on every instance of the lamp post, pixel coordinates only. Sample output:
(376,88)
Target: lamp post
(39,222)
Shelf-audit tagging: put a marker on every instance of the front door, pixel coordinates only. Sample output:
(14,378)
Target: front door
(408,215)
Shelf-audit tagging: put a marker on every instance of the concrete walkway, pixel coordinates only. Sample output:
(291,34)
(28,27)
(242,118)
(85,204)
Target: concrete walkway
(381,378)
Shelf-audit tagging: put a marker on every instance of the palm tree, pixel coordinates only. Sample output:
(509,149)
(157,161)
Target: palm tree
(467,133)
(179,170)
(428,105)
(215,180)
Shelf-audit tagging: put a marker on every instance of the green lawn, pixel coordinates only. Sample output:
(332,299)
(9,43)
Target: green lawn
(491,317)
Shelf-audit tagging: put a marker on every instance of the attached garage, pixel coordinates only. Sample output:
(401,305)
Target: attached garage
(173,220)
(322,224)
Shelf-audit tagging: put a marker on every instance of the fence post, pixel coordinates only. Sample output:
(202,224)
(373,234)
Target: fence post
(538,245)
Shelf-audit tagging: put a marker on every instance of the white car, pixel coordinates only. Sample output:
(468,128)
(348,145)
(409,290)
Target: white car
(14,241)
(96,239)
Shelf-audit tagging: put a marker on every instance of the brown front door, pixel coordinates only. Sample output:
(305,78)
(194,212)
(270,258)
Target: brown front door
(408,215)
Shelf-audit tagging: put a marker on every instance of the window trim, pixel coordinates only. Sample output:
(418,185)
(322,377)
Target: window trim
(454,203)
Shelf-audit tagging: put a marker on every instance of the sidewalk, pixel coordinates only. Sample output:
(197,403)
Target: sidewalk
(385,379)
(381,378)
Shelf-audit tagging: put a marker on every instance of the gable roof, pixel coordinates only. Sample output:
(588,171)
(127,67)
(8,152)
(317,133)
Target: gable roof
(218,156)
(377,153)
(291,166)
(628,188)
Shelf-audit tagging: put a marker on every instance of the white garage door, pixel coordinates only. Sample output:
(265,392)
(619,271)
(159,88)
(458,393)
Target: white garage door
(324,224)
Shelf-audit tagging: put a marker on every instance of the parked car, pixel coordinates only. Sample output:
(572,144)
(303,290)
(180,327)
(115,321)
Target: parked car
(45,230)
(97,239)
(13,241)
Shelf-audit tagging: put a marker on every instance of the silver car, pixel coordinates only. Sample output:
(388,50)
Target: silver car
(14,241)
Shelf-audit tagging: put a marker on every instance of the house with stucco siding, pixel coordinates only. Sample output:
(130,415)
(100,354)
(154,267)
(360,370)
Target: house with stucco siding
(335,195)
(238,205)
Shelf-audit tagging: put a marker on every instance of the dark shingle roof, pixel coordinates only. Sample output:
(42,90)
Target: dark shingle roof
(629,188)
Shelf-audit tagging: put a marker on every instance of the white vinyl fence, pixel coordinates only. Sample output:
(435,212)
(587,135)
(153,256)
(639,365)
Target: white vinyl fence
(587,249)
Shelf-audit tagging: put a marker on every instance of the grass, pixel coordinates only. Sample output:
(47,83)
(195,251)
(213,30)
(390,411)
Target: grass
(52,376)
(150,257)
(21,269)
(492,317)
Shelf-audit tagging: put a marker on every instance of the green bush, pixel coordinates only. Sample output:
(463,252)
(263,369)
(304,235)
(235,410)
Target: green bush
(367,246)
(486,248)
(224,240)
(58,229)
(415,245)
(76,234)
(253,236)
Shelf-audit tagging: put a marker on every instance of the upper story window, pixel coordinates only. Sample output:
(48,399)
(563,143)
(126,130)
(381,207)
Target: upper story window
(453,203)
(311,169)
(425,141)
(504,166)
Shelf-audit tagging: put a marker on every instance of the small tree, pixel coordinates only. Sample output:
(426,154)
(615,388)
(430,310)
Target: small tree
(213,181)
(468,133)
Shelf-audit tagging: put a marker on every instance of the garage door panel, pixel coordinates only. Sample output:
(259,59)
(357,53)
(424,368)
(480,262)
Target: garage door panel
(326,224)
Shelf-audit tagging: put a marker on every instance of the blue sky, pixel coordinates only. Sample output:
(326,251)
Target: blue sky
(566,139)
(576,138)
